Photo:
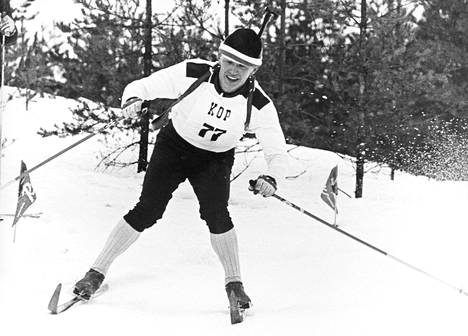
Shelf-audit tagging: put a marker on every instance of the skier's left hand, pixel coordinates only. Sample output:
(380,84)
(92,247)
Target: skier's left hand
(264,185)
(7,26)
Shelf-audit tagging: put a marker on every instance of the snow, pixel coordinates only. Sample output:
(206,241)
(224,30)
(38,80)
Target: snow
(303,277)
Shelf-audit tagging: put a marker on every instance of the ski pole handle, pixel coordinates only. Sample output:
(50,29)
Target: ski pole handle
(269,13)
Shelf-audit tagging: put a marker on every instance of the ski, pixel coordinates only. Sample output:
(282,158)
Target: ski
(236,311)
(56,308)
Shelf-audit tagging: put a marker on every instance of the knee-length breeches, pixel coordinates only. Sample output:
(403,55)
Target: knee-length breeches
(174,160)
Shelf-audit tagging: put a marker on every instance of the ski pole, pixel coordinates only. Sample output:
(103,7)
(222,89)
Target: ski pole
(307,213)
(268,14)
(2,104)
(89,136)
(2,99)
(344,192)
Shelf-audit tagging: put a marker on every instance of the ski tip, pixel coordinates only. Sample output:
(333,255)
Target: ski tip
(53,303)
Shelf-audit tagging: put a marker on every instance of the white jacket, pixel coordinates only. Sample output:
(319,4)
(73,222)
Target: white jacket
(211,119)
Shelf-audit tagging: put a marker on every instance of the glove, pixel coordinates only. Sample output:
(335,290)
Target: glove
(264,185)
(7,26)
(132,107)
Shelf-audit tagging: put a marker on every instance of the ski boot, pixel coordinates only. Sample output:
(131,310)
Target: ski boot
(238,301)
(87,286)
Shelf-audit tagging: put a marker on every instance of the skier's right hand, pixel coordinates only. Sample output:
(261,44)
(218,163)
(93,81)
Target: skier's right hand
(132,107)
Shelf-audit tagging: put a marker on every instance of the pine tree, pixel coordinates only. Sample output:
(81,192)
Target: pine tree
(104,50)
(30,68)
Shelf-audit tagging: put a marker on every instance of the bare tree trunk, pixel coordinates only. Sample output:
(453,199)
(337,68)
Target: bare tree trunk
(226,18)
(147,59)
(398,27)
(361,141)
(282,49)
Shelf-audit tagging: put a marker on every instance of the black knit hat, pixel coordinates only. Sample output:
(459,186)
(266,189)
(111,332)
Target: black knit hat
(243,46)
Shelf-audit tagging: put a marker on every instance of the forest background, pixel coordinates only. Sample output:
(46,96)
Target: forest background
(382,81)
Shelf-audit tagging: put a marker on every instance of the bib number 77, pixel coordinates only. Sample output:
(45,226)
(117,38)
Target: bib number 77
(215,132)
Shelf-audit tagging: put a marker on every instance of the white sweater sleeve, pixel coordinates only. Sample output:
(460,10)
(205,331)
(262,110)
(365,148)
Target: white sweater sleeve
(169,83)
(266,126)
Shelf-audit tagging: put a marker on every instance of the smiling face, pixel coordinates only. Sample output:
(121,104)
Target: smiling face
(233,75)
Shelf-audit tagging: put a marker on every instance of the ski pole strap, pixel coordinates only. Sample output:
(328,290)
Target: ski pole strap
(249,104)
(162,119)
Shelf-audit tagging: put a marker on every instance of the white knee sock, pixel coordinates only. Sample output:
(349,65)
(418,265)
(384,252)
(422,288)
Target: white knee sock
(120,239)
(225,246)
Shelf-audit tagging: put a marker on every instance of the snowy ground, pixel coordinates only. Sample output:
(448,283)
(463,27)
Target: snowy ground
(304,278)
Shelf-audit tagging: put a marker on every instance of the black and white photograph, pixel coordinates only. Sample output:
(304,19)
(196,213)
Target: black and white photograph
(234,167)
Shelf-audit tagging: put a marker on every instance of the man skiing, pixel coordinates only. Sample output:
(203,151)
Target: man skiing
(198,144)
(7,25)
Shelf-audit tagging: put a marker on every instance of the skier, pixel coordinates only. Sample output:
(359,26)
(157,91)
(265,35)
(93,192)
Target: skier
(7,25)
(198,144)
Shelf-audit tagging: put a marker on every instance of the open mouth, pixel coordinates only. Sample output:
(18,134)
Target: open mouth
(232,78)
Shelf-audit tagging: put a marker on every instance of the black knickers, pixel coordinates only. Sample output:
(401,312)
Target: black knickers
(174,160)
